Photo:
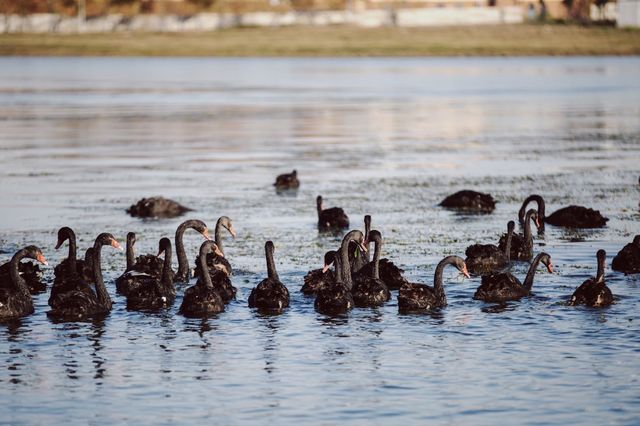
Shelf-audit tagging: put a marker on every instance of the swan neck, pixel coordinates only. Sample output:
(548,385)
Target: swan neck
(183,263)
(601,266)
(166,267)
(72,252)
(507,248)
(376,258)
(14,267)
(218,236)
(101,290)
(528,281)
(131,255)
(204,270)
(438,287)
(271,265)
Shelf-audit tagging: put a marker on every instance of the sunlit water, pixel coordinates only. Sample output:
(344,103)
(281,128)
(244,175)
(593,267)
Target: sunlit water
(82,139)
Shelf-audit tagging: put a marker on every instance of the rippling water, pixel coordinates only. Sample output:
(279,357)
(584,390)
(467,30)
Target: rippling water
(82,139)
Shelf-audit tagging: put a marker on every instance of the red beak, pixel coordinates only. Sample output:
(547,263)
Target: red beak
(116,245)
(325,268)
(40,258)
(205,234)
(550,268)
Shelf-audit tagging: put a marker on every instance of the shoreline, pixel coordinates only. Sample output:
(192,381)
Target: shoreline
(338,41)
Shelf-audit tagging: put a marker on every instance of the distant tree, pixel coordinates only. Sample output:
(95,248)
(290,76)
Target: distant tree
(202,3)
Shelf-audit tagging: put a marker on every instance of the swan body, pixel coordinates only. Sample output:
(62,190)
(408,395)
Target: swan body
(202,299)
(416,298)
(470,201)
(159,207)
(336,298)
(594,291)
(15,297)
(522,244)
(78,303)
(318,279)
(628,259)
(270,295)
(503,287)
(155,293)
(570,216)
(487,258)
(332,218)
(371,291)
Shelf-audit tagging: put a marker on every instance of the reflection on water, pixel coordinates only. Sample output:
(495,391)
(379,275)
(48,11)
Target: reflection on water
(82,139)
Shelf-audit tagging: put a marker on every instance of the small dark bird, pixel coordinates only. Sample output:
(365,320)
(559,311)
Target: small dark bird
(287,181)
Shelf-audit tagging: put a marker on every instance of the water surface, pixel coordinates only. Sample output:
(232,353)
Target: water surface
(81,139)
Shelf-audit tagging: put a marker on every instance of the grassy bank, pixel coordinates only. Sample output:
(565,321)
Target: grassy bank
(516,40)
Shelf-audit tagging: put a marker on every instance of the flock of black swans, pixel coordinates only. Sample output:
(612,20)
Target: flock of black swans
(358,279)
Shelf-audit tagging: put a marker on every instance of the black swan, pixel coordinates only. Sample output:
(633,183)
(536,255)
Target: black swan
(202,299)
(470,201)
(370,291)
(317,279)
(30,273)
(357,259)
(505,286)
(487,258)
(628,259)
(213,260)
(71,273)
(287,181)
(414,298)
(15,298)
(522,244)
(155,292)
(184,273)
(594,291)
(270,296)
(333,218)
(141,269)
(570,217)
(157,207)
(336,298)
(389,273)
(79,304)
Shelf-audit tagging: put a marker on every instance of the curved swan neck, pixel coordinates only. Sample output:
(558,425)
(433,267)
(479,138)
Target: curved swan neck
(528,281)
(507,248)
(337,263)
(131,255)
(218,235)
(271,264)
(101,290)
(532,198)
(527,226)
(14,270)
(438,287)
(355,236)
(183,262)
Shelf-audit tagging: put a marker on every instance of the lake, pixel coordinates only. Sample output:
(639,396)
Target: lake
(81,139)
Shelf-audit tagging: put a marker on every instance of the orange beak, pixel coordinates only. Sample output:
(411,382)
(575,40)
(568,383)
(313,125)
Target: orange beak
(40,258)
(205,234)
(325,268)
(538,223)
(116,245)
(465,272)
(362,247)
(550,268)
(217,251)
(232,231)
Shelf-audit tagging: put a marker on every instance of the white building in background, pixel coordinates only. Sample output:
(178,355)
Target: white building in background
(628,13)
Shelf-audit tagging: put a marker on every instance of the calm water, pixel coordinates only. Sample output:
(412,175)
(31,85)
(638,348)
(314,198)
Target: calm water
(82,139)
